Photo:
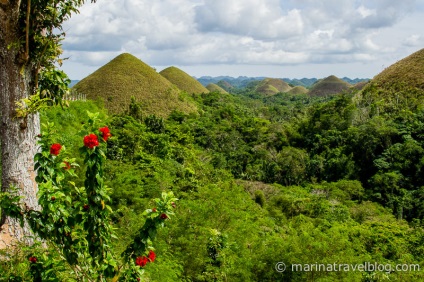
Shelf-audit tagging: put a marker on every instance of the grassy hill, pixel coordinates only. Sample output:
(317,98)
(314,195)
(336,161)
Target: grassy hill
(225,85)
(360,85)
(406,72)
(298,90)
(272,86)
(329,86)
(183,80)
(126,76)
(399,86)
(212,87)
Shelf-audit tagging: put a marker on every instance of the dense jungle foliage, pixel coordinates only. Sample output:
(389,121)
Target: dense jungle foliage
(261,180)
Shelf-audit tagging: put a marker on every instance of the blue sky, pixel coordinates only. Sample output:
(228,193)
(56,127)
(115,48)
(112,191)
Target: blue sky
(273,38)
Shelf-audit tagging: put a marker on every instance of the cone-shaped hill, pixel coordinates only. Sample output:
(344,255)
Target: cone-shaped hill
(298,90)
(225,85)
(360,85)
(212,87)
(404,79)
(126,76)
(183,81)
(398,87)
(272,86)
(328,86)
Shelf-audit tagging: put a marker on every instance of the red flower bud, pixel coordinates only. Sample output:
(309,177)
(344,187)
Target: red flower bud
(55,149)
(53,198)
(154,210)
(33,259)
(67,166)
(86,207)
(164,216)
(173,205)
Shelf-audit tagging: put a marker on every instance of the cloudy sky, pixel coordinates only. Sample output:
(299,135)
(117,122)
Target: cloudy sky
(273,38)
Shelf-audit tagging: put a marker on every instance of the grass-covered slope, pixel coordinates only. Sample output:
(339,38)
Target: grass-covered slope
(398,86)
(183,80)
(329,86)
(212,87)
(408,72)
(298,90)
(272,86)
(126,76)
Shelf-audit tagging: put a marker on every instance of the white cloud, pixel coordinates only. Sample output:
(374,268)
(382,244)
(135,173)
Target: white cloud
(259,19)
(413,40)
(244,32)
(364,12)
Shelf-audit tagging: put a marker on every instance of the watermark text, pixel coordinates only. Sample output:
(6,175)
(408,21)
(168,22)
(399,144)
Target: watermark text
(335,267)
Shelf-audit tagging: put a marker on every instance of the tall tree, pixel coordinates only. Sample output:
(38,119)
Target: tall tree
(30,36)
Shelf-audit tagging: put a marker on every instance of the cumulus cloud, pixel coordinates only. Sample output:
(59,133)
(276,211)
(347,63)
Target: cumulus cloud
(259,19)
(245,32)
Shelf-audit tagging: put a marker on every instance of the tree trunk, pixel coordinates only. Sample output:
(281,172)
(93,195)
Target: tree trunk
(18,136)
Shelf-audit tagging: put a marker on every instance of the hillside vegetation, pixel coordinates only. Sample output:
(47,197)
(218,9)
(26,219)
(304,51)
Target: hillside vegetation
(183,80)
(126,76)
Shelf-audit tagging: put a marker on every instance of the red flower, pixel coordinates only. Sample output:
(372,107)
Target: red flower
(154,210)
(55,149)
(91,141)
(67,166)
(33,259)
(86,207)
(141,261)
(53,198)
(152,256)
(163,216)
(105,132)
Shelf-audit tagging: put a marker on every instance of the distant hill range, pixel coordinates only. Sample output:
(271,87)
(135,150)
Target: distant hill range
(126,76)
(227,82)
(243,81)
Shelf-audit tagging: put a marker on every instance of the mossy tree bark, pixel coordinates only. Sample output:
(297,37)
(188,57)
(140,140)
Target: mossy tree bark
(18,136)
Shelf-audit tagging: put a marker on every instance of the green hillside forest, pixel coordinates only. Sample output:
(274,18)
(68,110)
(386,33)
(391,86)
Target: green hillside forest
(282,187)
